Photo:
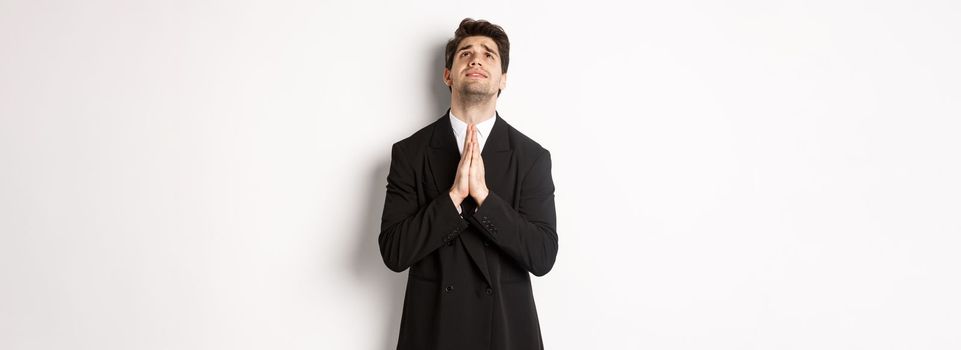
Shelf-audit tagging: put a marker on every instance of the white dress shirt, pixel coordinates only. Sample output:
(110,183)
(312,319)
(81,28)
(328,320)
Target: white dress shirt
(460,134)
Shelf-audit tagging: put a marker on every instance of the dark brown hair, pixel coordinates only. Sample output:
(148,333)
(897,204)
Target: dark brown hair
(469,27)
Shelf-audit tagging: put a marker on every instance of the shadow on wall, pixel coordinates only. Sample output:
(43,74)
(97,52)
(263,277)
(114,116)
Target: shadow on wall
(386,286)
(439,93)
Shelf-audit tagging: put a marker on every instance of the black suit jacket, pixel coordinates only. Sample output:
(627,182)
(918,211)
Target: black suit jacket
(469,281)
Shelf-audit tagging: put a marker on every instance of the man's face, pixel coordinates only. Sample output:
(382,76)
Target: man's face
(476,70)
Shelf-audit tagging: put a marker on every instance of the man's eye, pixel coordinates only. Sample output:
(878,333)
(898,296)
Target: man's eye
(462,54)
(490,56)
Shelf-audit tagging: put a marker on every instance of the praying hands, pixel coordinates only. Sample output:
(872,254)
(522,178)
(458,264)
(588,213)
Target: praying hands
(469,179)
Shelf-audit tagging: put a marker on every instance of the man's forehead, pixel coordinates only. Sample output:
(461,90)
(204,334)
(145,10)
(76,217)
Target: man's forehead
(477,40)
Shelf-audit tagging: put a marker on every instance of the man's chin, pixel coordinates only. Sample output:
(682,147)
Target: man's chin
(476,90)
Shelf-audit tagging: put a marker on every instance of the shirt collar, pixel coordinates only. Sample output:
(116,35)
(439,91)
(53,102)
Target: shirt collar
(484,127)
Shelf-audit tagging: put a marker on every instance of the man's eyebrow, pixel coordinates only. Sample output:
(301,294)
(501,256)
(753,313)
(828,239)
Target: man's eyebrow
(488,49)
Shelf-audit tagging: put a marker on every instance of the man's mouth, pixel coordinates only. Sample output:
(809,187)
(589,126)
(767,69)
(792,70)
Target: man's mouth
(476,75)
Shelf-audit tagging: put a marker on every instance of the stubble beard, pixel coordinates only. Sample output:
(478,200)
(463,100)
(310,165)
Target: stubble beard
(475,93)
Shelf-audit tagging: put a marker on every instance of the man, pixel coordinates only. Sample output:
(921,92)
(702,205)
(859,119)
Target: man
(470,210)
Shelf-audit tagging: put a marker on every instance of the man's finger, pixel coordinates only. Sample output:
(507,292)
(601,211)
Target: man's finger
(466,142)
(471,146)
(466,154)
(463,158)
(466,159)
(475,153)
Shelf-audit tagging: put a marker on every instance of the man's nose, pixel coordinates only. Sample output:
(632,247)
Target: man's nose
(475,62)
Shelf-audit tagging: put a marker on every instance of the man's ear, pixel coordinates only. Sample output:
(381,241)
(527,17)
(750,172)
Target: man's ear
(503,81)
(447,77)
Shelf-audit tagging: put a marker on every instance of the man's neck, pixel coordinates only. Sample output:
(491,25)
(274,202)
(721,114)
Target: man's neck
(473,112)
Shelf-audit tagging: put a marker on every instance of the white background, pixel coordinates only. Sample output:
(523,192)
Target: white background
(730,175)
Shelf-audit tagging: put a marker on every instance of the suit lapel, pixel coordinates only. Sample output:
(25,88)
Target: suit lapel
(497,156)
(443,157)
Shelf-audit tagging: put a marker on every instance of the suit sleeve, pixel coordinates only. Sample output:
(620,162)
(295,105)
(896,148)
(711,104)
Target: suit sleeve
(529,233)
(408,231)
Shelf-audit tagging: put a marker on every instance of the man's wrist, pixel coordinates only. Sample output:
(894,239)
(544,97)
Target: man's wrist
(456,199)
(480,198)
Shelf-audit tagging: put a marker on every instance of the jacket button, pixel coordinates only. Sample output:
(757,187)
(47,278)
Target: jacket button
(449,288)
(487,244)
(490,291)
